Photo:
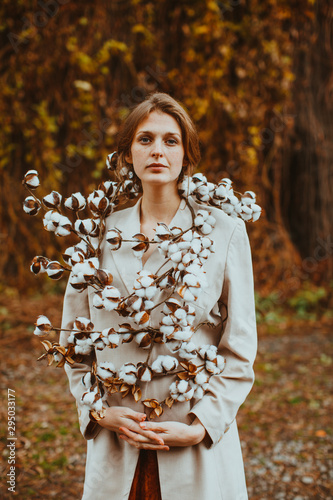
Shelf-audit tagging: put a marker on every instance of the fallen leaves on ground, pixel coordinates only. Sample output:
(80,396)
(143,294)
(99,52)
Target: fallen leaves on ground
(285,425)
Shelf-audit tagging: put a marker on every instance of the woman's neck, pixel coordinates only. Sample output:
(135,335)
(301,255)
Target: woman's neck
(159,205)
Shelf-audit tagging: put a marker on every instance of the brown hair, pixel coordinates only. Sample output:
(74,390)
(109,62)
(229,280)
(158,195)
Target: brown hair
(159,101)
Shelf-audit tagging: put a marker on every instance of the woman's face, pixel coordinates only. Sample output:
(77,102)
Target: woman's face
(157,151)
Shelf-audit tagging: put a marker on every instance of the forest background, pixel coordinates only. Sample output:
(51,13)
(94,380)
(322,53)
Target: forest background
(257,78)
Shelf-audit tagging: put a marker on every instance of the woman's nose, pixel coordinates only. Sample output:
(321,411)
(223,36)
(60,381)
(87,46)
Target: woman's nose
(157,149)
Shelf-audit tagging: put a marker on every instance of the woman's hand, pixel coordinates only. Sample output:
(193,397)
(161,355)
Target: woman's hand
(172,433)
(120,418)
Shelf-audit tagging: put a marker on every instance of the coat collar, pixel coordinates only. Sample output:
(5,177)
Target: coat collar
(128,222)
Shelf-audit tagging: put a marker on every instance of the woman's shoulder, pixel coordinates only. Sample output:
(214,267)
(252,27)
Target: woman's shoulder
(224,222)
(121,215)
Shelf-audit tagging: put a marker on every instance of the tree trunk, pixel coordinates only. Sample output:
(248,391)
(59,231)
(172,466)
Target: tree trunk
(307,154)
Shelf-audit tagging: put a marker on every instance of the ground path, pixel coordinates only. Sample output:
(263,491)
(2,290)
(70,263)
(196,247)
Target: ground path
(285,424)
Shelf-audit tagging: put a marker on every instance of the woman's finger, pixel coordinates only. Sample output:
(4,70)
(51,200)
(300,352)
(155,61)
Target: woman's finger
(142,436)
(153,426)
(144,446)
(134,415)
(135,427)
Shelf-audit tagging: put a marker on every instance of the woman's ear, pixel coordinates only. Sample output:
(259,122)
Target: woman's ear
(128,157)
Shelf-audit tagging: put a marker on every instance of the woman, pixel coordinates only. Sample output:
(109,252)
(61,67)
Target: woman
(196,442)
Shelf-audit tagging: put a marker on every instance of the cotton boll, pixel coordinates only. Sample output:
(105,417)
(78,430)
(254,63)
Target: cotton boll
(98,300)
(220,363)
(206,228)
(173,248)
(126,337)
(136,306)
(204,254)
(169,363)
(151,292)
(75,202)
(181,390)
(31,179)
(142,318)
(31,206)
(83,324)
(199,220)
(188,350)
(114,239)
(164,246)
(96,335)
(140,292)
(203,190)
(201,378)
(70,339)
(143,339)
(88,398)
(188,296)
(167,320)
(157,365)
(184,245)
(248,198)
(212,368)
(173,345)
(220,192)
(183,334)
(246,217)
(62,231)
(111,297)
(146,281)
(187,258)
(167,330)
(196,245)
(171,305)
(144,373)
(106,370)
(195,268)
(182,386)
(52,200)
(162,232)
(176,257)
(198,392)
(128,373)
(51,220)
(180,313)
(114,339)
(208,352)
(256,216)
(83,348)
(98,202)
(199,178)
(148,304)
(98,405)
(43,326)
(191,280)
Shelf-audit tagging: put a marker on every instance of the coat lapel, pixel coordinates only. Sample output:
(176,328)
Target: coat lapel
(128,222)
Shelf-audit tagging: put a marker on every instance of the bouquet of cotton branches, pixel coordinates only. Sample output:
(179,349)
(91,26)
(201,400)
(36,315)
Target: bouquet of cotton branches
(185,250)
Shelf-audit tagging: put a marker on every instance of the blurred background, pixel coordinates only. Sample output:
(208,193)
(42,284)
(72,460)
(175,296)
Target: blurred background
(257,78)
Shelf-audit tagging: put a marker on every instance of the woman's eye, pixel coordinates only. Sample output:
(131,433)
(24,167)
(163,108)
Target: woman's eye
(144,140)
(172,141)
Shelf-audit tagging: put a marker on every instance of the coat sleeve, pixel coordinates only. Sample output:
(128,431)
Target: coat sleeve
(238,344)
(76,304)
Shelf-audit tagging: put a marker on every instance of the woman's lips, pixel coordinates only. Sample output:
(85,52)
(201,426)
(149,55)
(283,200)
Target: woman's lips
(156,166)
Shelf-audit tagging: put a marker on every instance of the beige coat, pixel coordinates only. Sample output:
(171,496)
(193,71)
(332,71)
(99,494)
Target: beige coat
(213,469)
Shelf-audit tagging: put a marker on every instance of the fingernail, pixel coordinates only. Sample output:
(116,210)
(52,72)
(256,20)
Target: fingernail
(143,425)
